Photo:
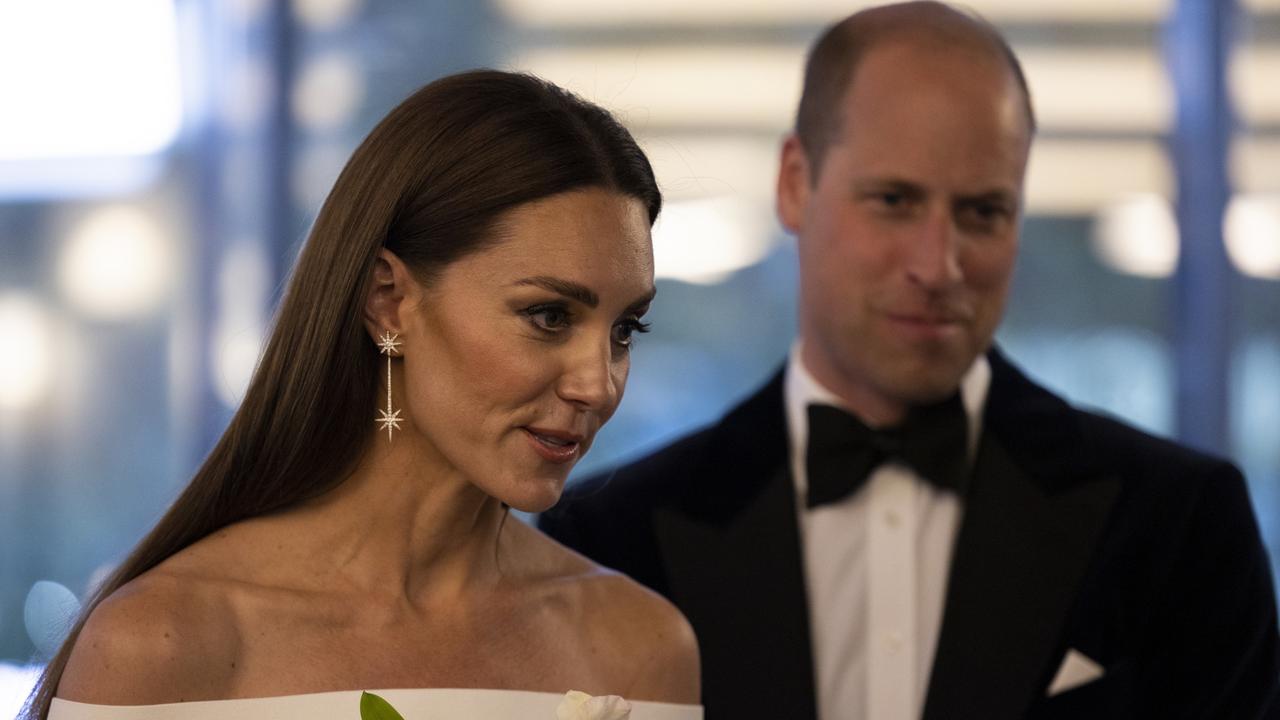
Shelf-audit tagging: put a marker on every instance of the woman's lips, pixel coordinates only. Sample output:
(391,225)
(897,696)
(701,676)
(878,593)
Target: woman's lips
(554,445)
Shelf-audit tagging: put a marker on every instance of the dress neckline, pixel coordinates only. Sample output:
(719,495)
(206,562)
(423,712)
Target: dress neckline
(412,704)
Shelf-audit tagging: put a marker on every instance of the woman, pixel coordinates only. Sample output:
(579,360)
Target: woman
(456,331)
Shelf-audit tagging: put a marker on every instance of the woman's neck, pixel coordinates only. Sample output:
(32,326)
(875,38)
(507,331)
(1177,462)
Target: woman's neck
(404,526)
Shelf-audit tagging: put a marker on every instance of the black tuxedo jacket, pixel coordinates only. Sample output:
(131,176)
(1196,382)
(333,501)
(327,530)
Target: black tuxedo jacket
(1078,532)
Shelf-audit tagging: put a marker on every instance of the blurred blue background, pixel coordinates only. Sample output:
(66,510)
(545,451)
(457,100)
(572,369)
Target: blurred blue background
(161,160)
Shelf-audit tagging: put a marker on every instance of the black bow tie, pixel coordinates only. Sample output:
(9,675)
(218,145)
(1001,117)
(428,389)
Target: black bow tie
(843,451)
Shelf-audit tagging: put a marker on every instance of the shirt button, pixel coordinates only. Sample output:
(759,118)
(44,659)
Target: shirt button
(892,518)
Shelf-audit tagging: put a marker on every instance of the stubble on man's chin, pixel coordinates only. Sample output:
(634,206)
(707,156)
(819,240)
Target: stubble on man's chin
(925,379)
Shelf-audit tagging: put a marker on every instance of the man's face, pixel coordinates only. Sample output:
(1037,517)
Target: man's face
(907,236)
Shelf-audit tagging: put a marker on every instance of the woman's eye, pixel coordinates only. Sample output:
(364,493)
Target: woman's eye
(548,317)
(623,331)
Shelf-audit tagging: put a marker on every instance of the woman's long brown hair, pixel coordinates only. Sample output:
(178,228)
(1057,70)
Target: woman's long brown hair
(428,183)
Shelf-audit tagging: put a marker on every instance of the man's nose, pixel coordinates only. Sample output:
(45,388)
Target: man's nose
(587,381)
(933,258)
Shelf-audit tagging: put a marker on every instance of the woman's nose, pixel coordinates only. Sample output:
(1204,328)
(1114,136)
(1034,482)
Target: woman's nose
(588,380)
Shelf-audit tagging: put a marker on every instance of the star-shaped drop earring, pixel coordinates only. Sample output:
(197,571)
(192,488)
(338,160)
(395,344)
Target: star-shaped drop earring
(389,420)
(389,343)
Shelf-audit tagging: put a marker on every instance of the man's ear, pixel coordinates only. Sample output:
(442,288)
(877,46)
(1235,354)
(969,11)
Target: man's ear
(793,185)
(392,292)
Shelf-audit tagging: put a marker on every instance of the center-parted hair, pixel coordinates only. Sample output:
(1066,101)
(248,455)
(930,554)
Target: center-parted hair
(430,183)
(834,60)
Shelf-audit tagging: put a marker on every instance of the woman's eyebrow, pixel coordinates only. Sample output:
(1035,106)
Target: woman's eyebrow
(567,288)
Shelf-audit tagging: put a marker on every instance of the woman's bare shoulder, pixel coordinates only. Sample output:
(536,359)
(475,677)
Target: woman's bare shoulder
(169,635)
(653,643)
(640,625)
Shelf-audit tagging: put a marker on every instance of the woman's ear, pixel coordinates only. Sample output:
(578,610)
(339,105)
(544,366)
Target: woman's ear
(392,291)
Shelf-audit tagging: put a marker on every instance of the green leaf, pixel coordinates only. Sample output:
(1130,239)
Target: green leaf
(373,707)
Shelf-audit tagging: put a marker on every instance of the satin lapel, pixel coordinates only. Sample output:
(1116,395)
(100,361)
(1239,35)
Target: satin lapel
(734,568)
(1033,516)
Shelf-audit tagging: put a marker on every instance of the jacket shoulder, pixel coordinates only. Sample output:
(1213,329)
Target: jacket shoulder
(1057,439)
(1141,449)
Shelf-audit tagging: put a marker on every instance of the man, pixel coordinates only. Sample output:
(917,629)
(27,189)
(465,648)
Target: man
(990,552)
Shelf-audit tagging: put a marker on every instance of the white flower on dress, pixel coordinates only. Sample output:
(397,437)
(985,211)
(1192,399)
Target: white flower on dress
(581,706)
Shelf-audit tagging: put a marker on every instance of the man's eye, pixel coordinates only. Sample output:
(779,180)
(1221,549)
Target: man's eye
(983,214)
(548,317)
(891,200)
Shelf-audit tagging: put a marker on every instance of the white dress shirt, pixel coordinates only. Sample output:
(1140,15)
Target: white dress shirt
(876,566)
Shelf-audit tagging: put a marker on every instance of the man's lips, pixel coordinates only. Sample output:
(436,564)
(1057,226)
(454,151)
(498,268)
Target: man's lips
(925,319)
(926,326)
(557,446)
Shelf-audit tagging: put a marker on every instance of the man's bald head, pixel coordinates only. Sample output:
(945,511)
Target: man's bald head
(835,58)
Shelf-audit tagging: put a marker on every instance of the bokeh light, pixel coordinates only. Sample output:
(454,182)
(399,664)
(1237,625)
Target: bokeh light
(244,283)
(1138,235)
(88,78)
(703,241)
(26,349)
(328,93)
(1251,229)
(116,264)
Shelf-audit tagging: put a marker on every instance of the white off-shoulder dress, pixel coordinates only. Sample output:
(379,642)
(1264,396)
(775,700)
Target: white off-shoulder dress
(417,704)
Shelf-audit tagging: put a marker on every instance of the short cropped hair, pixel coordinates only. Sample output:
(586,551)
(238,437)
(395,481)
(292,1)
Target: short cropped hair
(835,57)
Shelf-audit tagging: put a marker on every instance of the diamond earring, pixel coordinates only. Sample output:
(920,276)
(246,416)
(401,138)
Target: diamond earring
(387,420)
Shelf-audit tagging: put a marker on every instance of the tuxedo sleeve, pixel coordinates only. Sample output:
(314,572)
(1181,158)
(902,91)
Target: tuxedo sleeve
(1214,650)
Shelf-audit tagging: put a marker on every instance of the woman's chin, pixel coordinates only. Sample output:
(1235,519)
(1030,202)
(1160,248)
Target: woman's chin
(533,496)
(533,508)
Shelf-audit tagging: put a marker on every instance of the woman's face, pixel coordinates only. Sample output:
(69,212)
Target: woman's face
(515,355)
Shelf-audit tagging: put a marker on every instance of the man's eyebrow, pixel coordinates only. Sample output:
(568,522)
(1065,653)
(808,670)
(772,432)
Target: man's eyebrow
(567,288)
(880,184)
(993,195)
(907,187)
